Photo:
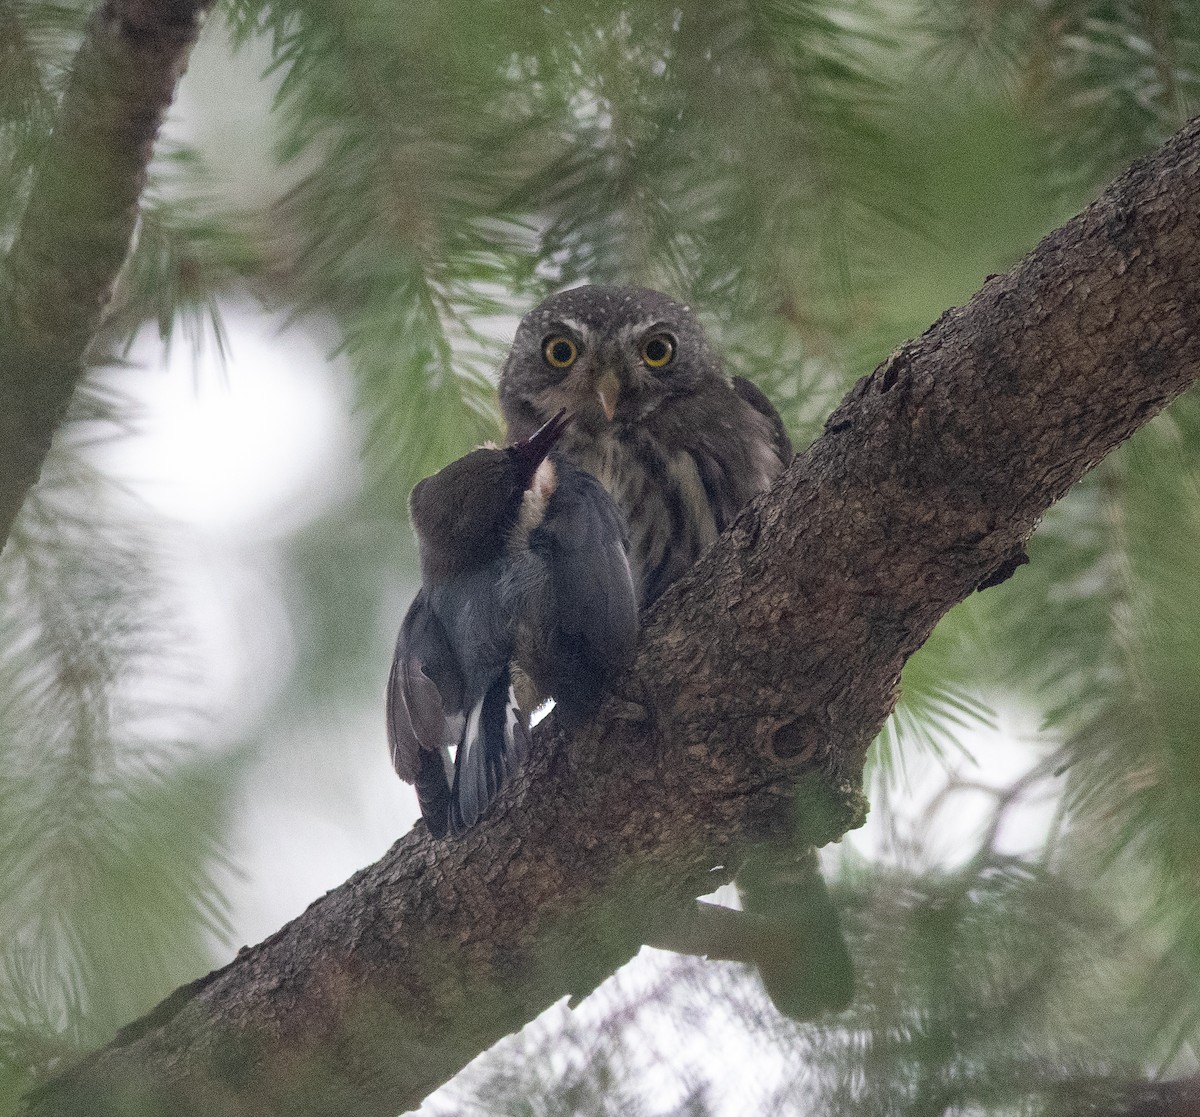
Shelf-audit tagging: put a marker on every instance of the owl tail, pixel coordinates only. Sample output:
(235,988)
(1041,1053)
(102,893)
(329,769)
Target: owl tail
(493,745)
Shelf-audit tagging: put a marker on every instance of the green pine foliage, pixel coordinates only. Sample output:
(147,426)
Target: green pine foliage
(186,257)
(113,822)
(1003,987)
(820,179)
(1107,81)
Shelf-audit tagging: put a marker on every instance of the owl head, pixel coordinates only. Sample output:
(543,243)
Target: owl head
(610,356)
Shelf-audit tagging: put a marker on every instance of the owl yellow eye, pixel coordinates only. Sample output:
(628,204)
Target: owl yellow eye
(559,351)
(658,350)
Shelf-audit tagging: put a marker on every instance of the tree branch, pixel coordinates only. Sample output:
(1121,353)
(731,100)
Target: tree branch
(1178,1097)
(763,675)
(78,224)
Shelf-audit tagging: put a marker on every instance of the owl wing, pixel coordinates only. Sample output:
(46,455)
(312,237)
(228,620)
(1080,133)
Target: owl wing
(751,393)
(739,447)
(424,695)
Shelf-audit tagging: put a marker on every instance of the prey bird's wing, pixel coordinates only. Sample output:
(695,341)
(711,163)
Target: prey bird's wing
(587,627)
(424,700)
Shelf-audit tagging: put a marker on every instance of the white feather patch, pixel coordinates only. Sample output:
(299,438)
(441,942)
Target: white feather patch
(533,504)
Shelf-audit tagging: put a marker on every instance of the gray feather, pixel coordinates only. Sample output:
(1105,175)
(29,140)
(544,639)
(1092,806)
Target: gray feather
(579,606)
(492,748)
(424,693)
(757,398)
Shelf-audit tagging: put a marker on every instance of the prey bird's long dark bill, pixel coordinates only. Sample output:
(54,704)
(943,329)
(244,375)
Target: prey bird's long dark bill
(531,452)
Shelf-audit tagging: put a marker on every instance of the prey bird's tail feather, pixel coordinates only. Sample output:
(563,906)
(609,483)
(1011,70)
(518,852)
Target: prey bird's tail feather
(493,745)
(433,790)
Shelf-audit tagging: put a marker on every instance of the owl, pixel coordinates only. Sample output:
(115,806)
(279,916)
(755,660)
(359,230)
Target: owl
(679,445)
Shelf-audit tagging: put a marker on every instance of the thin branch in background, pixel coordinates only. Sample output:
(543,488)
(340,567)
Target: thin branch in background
(76,229)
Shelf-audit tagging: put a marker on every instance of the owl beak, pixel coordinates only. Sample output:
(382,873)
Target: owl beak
(608,388)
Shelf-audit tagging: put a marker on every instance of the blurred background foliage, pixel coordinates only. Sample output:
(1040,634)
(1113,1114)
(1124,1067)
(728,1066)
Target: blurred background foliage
(396,183)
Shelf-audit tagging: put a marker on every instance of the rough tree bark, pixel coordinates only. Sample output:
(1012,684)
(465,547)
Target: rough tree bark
(76,230)
(1179,1098)
(763,676)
